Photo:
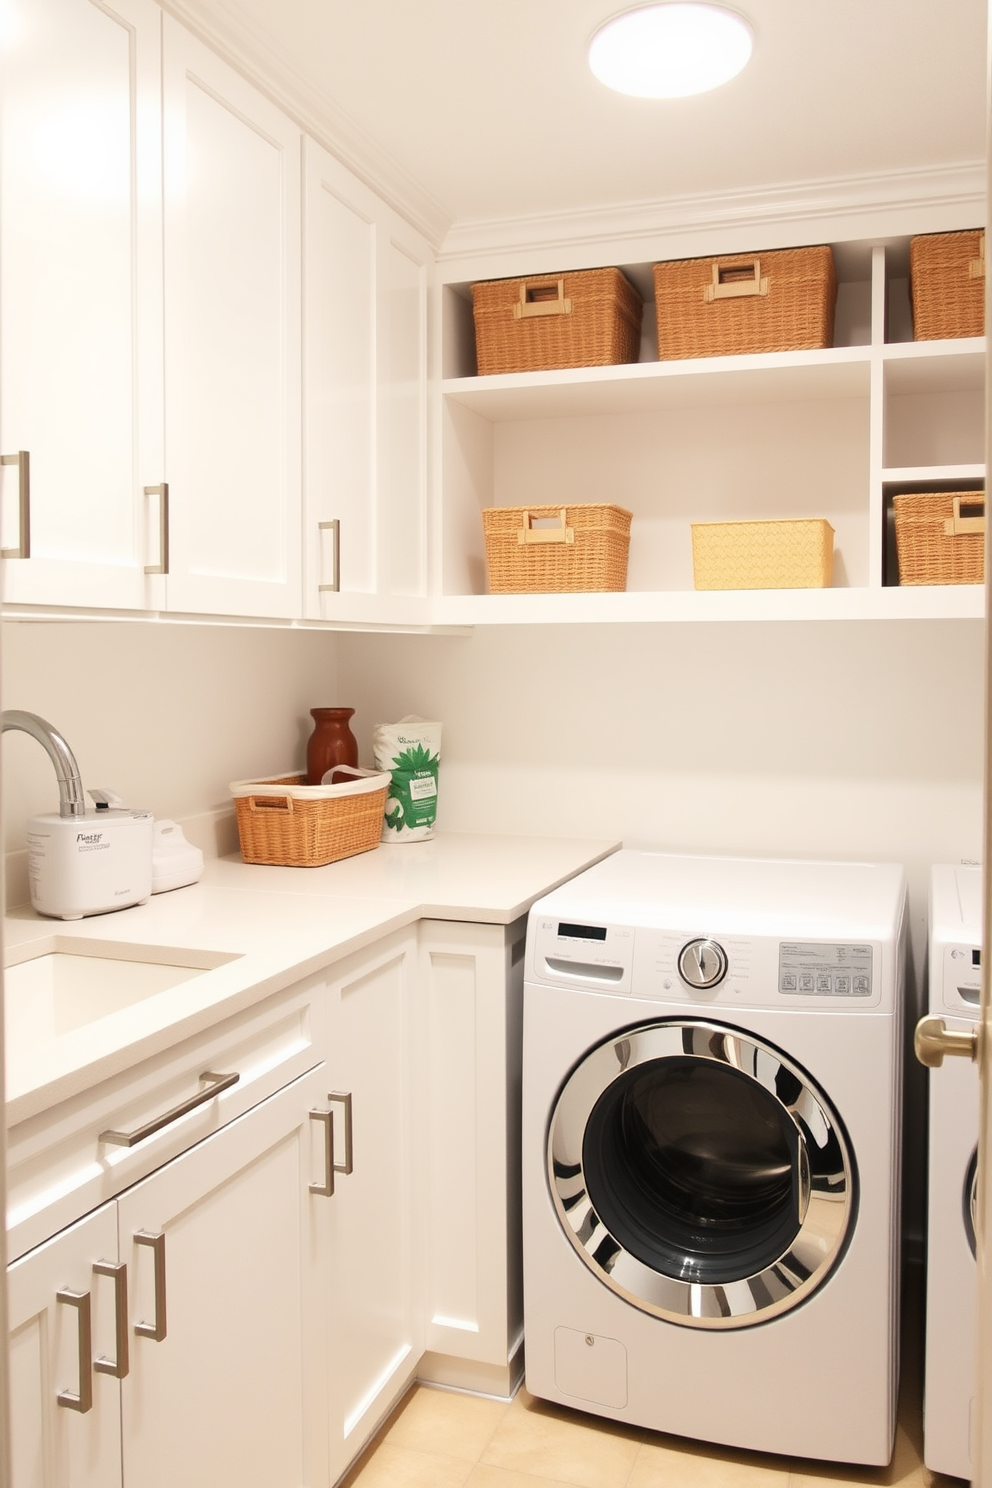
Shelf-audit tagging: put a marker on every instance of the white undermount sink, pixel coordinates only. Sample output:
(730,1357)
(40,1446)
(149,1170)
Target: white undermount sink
(62,983)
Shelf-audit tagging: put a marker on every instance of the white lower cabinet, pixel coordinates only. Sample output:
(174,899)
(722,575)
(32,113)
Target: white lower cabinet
(249,1310)
(209,1314)
(62,1319)
(472,979)
(375,1336)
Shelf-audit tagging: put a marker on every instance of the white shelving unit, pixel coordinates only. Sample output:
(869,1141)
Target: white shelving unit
(832,433)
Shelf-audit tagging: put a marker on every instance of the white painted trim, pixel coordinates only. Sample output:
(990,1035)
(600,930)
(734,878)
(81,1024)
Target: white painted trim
(838,209)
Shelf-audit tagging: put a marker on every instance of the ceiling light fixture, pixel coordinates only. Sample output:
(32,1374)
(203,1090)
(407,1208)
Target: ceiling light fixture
(670,50)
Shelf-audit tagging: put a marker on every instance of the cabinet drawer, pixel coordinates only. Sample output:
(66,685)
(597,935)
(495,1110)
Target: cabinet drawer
(63,1163)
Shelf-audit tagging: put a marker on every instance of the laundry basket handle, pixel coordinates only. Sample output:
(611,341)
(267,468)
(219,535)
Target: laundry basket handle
(530,304)
(959,526)
(561,533)
(725,287)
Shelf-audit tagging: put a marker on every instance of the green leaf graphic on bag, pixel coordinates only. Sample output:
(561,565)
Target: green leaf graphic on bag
(413,788)
(411,751)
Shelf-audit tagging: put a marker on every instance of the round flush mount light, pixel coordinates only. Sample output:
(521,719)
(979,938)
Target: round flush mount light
(670,50)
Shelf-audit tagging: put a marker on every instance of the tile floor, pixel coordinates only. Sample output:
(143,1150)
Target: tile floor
(442,1439)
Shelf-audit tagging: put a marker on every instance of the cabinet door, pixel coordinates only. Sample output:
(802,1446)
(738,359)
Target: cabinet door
(227,1381)
(55,1300)
(374,1338)
(366,280)
(80,298)
(473,981)
(232,338)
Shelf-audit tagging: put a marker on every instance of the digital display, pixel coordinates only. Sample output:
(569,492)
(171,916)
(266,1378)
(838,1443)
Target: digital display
(976,958)
(582,932)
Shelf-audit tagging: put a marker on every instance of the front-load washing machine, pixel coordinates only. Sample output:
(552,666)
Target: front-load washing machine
(711,1141)
(955,986)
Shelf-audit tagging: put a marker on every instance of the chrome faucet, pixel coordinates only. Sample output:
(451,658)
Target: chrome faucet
(71,799)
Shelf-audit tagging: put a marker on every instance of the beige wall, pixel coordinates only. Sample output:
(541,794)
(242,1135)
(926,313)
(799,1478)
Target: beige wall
(166,715)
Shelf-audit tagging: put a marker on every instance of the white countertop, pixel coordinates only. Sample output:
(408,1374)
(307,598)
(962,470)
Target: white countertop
(278,924)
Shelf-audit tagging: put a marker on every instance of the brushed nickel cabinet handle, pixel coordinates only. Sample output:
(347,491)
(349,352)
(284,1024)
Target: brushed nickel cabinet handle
(81,1400)
(335,585)
(23,462)
(216,1083)
(162,492)
(326,1120)
(157,1329)
(344,1097)
(118,1367)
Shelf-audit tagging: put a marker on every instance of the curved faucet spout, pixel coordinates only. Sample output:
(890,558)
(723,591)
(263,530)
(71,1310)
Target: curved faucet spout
(71,799)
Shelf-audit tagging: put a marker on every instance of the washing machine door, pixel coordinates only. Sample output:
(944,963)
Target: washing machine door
(969,1200)
(700,1174)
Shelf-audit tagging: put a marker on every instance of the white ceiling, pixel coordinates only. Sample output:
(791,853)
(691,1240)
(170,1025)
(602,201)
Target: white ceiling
(485,109)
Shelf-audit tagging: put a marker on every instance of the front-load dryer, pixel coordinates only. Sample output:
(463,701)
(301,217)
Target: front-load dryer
(955,986)
(711,1089)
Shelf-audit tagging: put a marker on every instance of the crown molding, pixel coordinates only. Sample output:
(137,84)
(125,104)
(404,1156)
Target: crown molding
(897,202)
(254,53)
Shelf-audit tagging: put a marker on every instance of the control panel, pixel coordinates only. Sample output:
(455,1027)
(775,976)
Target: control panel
(962,978)
(582,953)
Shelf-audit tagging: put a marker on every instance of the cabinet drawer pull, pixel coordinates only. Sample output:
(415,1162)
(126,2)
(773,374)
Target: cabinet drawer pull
(157,1329)
(118,1271)
(23,462)
(335,585)
(725,287)
(82,1400)
(344,1097)
(534,299)
(326,1120)
(162,492)
(216,1084)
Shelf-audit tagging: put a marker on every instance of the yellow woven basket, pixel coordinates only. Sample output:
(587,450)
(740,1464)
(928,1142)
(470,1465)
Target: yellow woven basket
(747,302)
(795,554)
(940,537)
(947,285)
(284,821)
(587,319)
(556,549)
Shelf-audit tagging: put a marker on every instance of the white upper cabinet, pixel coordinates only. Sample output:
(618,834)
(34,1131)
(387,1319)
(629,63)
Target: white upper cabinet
(232,339)
(80,299)
(366,280)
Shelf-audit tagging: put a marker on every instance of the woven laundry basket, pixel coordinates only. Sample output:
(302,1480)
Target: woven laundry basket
(587,319)
(940,537)
(556,549)
(947,285)
(795,554)
(284,821)
(783,300)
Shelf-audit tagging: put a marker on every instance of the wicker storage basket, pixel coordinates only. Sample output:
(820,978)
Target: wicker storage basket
(283,820)
(940,537)
(763,555)
(947,285)
(575,549)
(587,319)
(743,303)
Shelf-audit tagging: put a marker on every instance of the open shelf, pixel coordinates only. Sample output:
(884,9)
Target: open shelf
(829,433)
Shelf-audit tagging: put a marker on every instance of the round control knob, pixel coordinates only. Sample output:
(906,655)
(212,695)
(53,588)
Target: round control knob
(702,963)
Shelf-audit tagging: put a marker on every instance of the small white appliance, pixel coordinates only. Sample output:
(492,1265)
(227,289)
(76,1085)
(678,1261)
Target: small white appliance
(92,863)
(82,862)
(955,958)
(711,1149)
(176,862)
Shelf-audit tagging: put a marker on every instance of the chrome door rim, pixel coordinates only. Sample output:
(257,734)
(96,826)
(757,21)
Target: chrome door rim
(829,1214)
